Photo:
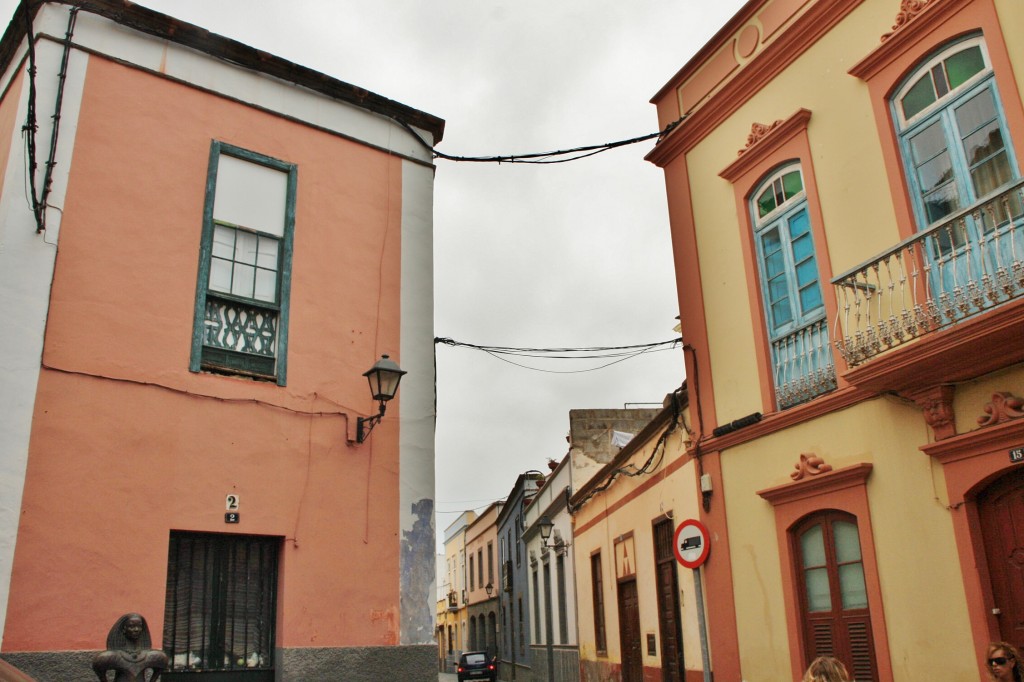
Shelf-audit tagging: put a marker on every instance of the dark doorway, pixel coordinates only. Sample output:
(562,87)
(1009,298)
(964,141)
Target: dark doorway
(1001,508)
(629,632)
(668,603)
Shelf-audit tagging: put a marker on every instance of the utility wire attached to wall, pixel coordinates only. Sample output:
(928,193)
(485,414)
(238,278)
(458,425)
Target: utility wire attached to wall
(559,156)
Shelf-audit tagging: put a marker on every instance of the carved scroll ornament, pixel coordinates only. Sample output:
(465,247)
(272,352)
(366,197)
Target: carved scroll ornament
(757,133)
(809,465)
(908,10)
(1004,407)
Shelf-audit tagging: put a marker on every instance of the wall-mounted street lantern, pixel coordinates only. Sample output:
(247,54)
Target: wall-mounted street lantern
(546,525)
(383,377)
(489,589)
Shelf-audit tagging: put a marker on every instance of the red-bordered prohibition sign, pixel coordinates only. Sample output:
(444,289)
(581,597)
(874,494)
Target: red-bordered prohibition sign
(691,543)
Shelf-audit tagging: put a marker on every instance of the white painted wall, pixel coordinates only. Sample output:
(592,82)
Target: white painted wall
(26,272)
(416,396)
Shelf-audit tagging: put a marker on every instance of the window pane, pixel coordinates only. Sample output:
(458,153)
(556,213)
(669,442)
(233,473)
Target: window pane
(223,242)
(798,225)
(918,97)
(245,247)
(935,172)
(266,286)
(984,143)
(851,586)
(765,203)
(819,598)
(792,184)
(847,542)
(806,273)
(774,265)
(810,298)
(941,202)
(928,143)
(939,78)
(812,546)
(991,174)
(242,285)
(803,248)
(267,257)
(220,275)
(975,112)
(778,290)
(963,65)
(781,313)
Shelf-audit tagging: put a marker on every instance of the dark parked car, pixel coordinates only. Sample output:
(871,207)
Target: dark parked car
(475,665)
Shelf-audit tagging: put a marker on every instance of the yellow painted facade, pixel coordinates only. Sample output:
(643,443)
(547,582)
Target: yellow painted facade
(906,458)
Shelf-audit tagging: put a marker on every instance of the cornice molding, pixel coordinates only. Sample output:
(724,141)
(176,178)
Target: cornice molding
(981,440)
(758,149)
(906,36)
(777,421)
(824,484)
(787,48)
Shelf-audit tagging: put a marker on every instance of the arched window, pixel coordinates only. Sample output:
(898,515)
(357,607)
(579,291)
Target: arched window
(791,291)
(833,594)
(952,133)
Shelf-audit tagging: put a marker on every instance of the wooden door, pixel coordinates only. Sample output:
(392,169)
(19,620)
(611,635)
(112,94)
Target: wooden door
(1001,508)
(629,632)
(668,604)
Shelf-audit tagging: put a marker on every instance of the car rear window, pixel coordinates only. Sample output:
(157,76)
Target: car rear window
(475,658)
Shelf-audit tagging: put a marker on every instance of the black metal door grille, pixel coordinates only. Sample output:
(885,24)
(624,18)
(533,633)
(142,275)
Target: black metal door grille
(220,611)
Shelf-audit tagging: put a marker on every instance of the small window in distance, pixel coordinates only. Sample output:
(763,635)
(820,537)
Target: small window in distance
(597,594)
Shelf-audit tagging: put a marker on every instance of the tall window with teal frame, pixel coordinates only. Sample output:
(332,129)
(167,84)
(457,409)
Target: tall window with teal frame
(961,169)
(241,312)
(794,309)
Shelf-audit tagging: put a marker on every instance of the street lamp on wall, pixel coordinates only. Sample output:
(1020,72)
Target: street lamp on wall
(383,377)
(489,589)
(546,525)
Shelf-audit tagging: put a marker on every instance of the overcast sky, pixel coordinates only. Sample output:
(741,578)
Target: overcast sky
(568,255)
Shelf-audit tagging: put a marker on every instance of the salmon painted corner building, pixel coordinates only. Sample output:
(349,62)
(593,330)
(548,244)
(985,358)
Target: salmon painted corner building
(203,247)
(845,197)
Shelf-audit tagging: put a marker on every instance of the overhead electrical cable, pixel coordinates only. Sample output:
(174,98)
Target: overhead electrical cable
(559,156)
(620,353)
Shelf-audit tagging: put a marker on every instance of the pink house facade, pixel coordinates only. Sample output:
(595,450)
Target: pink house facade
(218,244)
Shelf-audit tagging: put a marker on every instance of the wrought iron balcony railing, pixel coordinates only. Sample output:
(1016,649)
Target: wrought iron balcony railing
(971,262)
(803,365)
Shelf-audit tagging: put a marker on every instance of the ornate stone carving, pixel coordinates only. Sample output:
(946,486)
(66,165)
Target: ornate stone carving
(757,133)
(1004,407)
(936,405)
(908,10)
(810,464)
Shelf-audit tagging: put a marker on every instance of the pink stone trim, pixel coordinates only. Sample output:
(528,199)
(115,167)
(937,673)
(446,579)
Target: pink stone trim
(1004,407)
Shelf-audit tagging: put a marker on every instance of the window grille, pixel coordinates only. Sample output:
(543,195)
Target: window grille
(220,611)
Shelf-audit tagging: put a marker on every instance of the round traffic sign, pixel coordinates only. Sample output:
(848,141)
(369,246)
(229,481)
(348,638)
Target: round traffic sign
(691,543)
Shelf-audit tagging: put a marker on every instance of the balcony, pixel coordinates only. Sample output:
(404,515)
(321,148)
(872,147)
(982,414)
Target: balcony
(803,365)
(941,306)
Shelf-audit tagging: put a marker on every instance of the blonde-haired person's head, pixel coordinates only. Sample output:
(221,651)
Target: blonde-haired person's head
(826,669)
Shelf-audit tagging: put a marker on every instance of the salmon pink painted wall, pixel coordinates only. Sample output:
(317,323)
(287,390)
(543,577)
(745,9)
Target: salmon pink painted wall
(127,444)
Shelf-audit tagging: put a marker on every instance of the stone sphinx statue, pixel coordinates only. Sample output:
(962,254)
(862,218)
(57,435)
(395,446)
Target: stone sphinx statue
(129,652)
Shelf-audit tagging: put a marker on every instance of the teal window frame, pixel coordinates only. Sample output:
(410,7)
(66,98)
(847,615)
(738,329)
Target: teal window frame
(789,273)
(206,357)
(943,111)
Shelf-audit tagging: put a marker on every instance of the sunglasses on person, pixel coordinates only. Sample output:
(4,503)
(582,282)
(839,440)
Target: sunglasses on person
(998,660)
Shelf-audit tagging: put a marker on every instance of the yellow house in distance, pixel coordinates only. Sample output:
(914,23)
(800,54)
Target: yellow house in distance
(634,603)
(845,196)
